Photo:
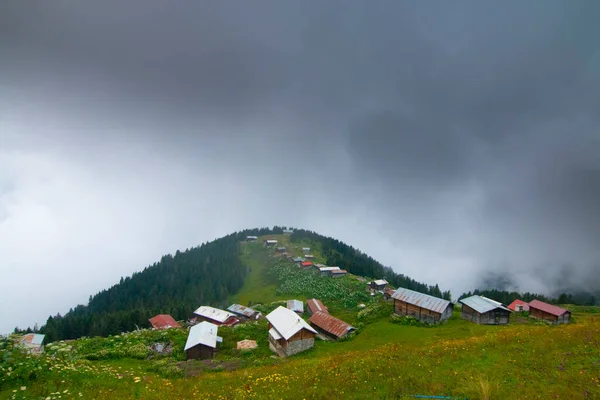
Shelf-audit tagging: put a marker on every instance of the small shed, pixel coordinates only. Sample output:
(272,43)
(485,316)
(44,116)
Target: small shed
(309,256)
(288,333)
(306,249)
(295,306)
(388,293)
(306,264)
(244,312)
(251,238)
(331,326)
(298,260)
(481,310)
(215,316)
(336,273)
(422,306)
(270,242)
(163,321)
(202,341)
(315,305)
(518,306)
(378,284)
(548,312)
(32,342)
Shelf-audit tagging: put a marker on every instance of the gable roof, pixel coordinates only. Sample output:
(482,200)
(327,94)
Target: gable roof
(203,333)
(295,305)
(330,324)
(513,306)
(549,308)
(315,305)
(163,321)
(286,323)
(242,310)
(380,282)
(482,304)
(306,263)
(213,313)
(422,300)
(273,241)
(32,339)
(298,259)
(329,269)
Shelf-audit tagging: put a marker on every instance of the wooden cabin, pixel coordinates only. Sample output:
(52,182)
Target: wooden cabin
(202,341)
(163,321)
(244,313)
(378,284)
(215,316)
(288,333)
(422,306)
(329,325)
(482,310)
(548,312)
(518,306)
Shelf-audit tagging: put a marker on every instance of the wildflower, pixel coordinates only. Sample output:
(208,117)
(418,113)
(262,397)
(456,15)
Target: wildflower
(23,387)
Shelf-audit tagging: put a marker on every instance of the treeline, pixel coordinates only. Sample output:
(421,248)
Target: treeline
(358,263)
(506,297)
(175,285)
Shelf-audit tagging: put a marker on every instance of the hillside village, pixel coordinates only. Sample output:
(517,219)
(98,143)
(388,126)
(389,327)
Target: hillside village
(312,307)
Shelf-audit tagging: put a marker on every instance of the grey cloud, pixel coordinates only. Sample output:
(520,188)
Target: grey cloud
(446,140)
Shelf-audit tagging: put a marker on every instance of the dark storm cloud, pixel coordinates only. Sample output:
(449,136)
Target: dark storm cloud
(456,142)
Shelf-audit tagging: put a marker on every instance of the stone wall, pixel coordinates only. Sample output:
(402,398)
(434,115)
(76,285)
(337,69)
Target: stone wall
(298,346)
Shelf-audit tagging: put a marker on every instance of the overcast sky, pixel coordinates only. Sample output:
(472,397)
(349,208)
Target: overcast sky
(453,141)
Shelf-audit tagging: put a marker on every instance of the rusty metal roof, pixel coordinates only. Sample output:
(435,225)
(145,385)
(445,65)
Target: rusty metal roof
(246,344)
(549,308)
(422,300)
(330,324)
(163,321)
(482,304)
(316,305)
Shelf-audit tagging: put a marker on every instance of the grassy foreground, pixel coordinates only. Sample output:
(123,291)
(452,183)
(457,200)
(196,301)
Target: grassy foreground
(460,359)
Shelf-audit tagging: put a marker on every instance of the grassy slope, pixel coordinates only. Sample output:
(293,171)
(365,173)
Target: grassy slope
(385,360)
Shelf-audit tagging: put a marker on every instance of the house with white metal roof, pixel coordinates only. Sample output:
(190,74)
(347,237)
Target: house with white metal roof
(215,316)
(288,333)
(251,238)
(422,306)
(378,284)
(202,341)
(481,310)
(328,270)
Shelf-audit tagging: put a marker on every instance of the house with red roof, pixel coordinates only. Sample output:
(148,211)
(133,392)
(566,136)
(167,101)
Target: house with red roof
(163,321)
(519,306)
(306,264)
(548,312)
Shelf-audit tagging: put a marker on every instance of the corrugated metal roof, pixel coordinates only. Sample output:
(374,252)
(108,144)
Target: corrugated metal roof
(327,269)
(272,241)
(482,304)
(330,324)
(316,305)
(380,282)
(306,249)
(242,310)
(309,256)
(298,259)
(295,305)
(203,333)
(513,306)
(422,300)
(213,313)
(163,321)
(307,264)
(287,323)
(338,271)
(32,339)
(274,334)
(549,308)
(252,237)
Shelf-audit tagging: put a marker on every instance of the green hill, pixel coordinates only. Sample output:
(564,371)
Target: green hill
(216,273)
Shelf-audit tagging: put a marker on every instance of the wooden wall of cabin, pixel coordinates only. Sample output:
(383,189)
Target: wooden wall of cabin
(403,308)
(200,352)
(539,314)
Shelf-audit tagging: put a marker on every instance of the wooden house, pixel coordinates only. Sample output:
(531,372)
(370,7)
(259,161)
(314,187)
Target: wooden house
(215,316)
(548,312)
(329,325)
(288,333)
(328,270)
(202,341)
(270,242)
(315,305)
(306,264)
(281,249)
(298,260)
(422,306)
(306,249)
(482,310)
(518,306)
(336,273)
(252,238)
(163,321)
(378,284)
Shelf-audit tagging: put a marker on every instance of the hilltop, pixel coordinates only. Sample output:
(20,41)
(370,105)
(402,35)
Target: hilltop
(214,273)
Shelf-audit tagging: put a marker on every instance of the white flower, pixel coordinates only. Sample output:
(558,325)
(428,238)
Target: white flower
(23,387)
